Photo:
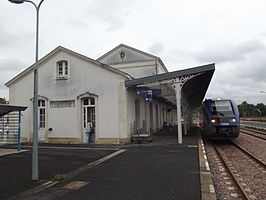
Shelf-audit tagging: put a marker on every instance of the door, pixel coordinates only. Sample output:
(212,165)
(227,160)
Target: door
(88,120)
(41,121)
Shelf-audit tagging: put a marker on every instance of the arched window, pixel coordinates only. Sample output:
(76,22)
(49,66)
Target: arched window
(62,69)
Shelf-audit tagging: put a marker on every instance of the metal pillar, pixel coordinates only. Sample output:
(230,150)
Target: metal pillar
(19,128)
(185,116)
(178,108)
(185,123)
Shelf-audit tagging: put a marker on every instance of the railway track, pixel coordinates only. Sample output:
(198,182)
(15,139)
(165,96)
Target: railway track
(246,189)
(254,130)
(257,160)
(254,133)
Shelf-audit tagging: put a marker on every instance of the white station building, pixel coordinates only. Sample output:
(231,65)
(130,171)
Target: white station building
(124,92)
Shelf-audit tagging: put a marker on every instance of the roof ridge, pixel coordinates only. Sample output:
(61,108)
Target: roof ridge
(54,51)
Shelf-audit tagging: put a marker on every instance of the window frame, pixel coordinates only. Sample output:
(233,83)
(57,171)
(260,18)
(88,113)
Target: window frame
(41,114)
(62,69)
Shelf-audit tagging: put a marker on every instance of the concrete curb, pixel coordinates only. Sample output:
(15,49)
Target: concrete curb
(4,152)
(207,188)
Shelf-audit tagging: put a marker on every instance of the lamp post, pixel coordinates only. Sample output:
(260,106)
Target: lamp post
(35,174)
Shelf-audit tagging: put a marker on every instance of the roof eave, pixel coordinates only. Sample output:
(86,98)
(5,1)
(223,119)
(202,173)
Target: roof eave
(43,59)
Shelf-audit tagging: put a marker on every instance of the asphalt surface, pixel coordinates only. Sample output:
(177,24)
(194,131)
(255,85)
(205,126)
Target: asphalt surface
(158,170)
(15,169)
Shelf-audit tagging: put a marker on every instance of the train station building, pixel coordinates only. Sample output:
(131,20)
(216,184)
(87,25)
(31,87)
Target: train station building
(123,93)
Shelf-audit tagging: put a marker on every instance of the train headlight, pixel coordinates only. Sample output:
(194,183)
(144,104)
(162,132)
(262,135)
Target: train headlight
(233,120)
(213,121)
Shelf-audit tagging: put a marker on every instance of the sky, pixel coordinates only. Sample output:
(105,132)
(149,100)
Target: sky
(183,33)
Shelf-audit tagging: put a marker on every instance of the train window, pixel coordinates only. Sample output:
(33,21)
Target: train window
(222,108)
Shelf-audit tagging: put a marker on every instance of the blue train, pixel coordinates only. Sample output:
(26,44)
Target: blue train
(220,119)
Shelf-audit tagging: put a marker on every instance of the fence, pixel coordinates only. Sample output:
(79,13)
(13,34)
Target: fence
(10,128)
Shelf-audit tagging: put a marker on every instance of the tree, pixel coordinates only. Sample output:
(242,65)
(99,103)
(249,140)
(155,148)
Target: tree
(262,108)
(249,110)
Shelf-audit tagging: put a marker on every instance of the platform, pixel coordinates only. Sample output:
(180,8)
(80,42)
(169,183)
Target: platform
(161,169)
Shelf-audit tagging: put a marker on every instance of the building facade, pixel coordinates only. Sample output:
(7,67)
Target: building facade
(78,95)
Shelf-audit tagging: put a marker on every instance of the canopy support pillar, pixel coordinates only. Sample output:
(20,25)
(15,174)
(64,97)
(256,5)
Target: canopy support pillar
(178,108)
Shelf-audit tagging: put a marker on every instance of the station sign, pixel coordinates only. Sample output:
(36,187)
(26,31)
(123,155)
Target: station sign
(148,98)
(147,93)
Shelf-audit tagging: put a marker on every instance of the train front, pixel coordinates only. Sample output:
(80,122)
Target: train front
(223,119)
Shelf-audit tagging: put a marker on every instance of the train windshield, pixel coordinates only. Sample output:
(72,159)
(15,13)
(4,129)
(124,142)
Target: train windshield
(222,108)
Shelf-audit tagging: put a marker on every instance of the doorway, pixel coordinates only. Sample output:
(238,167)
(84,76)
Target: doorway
(41,120)
(88,120)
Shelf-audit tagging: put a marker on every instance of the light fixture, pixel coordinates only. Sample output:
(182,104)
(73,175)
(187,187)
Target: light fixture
(213,120)
(233,120)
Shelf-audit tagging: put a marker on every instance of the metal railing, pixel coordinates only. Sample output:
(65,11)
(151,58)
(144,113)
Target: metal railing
(10,128)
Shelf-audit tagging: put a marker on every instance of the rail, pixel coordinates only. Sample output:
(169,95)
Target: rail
(241,189)
(254,133)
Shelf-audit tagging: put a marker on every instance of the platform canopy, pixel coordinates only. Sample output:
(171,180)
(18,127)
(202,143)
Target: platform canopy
(182,90)
(194,83)
(6,108)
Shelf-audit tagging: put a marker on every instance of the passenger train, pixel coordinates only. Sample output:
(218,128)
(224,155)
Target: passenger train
(220,119)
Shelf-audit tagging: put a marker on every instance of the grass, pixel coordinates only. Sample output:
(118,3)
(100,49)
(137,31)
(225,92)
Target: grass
(59,177)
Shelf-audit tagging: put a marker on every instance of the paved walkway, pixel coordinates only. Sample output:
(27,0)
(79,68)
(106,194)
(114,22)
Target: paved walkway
(158,170)
(5,151)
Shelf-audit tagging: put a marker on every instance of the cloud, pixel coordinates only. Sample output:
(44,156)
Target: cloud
(156,48)
(112,13)
(10,68)
(220,53)
(254,69)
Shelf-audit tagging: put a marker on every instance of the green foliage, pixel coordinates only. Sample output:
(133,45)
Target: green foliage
(250,110)
(59,177)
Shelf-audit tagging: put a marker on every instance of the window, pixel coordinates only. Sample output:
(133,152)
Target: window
(62,104)
(122,55)
(62,69)
(222,108)
(41,113)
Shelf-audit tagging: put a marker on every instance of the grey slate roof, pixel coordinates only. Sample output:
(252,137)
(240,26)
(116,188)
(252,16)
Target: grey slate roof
(193,90)
(170,75)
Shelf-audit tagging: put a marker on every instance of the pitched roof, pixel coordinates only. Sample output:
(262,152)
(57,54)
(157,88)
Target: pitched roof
(133,49)
(60,48)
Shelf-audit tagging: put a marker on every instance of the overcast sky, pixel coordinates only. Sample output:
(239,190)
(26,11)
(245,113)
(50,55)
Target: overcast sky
(183,33)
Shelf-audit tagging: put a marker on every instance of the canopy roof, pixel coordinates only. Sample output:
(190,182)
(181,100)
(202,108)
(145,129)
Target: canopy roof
(6,108)
(194,81)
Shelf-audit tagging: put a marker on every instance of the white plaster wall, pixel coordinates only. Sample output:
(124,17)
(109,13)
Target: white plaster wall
(21,94)
(63,122)
(144,111)
(138,72)
(84,77)
(130,56)
(131,94)
(160,68)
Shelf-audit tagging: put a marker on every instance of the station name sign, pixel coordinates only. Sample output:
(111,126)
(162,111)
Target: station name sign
(148,93)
